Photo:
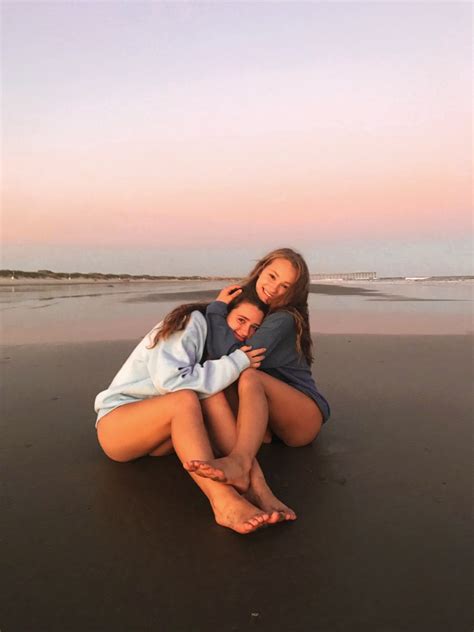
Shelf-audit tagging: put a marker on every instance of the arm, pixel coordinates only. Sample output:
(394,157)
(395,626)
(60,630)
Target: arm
(174,363)
(275,329)
(273,334)
(220,338)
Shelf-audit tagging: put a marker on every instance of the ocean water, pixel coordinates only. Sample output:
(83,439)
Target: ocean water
(101,311)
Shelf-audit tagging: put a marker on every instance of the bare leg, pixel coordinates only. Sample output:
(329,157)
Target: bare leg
(136,429)
(252,420)
(232,395)
(294,417)
(221,425)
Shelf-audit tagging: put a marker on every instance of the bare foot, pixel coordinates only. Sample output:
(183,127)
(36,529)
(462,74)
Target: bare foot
(231,470)
(262,496)
(239,515)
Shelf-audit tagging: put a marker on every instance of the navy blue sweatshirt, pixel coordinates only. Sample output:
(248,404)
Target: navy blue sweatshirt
(277,334)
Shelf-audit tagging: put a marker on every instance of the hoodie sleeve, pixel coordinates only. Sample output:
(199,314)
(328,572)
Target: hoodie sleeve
(174,363)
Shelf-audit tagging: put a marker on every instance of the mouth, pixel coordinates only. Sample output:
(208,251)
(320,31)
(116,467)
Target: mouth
(267,294)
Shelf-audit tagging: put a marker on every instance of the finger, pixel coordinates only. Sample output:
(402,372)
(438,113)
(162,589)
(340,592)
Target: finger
(255,353)
(245,348)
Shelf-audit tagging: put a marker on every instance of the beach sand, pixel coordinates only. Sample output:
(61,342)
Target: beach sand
(382,540)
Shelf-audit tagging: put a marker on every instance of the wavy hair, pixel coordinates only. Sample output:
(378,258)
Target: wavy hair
(295,299)
(179,317)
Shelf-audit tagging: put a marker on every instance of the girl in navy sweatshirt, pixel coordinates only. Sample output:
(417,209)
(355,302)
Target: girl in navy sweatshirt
(282,396)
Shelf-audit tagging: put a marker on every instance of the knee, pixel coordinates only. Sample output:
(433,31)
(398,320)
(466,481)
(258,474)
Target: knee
(186,399)
(249,377)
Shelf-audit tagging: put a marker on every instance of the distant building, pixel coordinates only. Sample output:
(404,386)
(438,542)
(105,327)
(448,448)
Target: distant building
(345,276)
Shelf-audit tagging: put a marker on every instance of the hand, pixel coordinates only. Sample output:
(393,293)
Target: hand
(256,356)
(227,294)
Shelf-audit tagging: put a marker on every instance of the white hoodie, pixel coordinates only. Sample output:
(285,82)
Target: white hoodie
(171,365)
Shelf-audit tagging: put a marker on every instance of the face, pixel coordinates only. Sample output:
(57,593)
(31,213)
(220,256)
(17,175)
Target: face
(244,320)
(275,280)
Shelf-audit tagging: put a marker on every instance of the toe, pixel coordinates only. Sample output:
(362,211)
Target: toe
(275,517)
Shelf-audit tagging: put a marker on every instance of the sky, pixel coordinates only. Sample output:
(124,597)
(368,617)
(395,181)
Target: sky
(193,137)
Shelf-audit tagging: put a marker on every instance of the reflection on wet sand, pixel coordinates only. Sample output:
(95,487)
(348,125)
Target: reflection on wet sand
(77,314)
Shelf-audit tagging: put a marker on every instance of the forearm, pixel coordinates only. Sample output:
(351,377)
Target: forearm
(220,338)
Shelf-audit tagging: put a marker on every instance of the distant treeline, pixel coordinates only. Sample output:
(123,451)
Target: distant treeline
(459,277)
(98,276)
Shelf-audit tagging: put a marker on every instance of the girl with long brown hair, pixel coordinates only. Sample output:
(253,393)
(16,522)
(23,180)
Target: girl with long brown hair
(282,396)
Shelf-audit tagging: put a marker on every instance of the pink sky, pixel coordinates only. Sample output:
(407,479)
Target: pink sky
(139,136)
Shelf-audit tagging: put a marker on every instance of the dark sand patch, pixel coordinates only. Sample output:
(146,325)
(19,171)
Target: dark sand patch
(381,544)
(190,296)
(209,295)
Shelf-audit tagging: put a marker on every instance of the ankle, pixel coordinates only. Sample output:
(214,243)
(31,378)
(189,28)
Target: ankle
(243,458)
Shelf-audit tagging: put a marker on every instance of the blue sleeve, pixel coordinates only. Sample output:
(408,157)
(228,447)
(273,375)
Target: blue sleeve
(272,333)
(220,338)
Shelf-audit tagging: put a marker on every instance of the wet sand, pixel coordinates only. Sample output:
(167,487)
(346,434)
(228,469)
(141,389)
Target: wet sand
(382,541)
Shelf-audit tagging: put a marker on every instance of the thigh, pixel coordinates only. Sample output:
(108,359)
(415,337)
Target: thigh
(293,416)
(136,429)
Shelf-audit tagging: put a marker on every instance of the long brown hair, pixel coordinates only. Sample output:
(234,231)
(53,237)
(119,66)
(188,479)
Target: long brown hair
(295,299)
(179,317)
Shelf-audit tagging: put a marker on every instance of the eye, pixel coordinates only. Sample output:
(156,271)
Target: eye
(241,320)
(271,275)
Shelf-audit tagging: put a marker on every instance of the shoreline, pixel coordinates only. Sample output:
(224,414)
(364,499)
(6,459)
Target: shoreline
(85,280)
(316,337)
(88,281)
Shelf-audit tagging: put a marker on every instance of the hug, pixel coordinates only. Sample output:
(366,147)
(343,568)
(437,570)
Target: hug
(212,382)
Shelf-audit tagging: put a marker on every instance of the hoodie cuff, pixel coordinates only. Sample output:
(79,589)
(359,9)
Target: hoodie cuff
(241,359)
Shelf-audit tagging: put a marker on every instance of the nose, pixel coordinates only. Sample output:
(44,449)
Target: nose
(244,330)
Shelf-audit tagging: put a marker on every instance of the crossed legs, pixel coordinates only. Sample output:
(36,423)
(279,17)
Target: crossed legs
(221,426)
(151,426)
(293,416)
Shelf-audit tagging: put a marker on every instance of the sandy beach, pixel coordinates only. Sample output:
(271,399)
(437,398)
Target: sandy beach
(383,534)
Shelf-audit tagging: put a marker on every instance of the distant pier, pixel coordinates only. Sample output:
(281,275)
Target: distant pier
(345,276)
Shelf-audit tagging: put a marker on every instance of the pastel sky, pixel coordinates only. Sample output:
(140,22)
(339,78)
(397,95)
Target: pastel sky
(190,138)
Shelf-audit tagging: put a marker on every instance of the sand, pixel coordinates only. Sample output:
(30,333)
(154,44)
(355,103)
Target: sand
(381,544)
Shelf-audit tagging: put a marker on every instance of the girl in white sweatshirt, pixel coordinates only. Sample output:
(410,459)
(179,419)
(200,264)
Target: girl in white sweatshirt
(152,405)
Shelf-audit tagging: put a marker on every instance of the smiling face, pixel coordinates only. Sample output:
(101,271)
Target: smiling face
(275,280)
(244,320)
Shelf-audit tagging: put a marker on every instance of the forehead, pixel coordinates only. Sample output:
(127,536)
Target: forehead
(248,311)
(284,269)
